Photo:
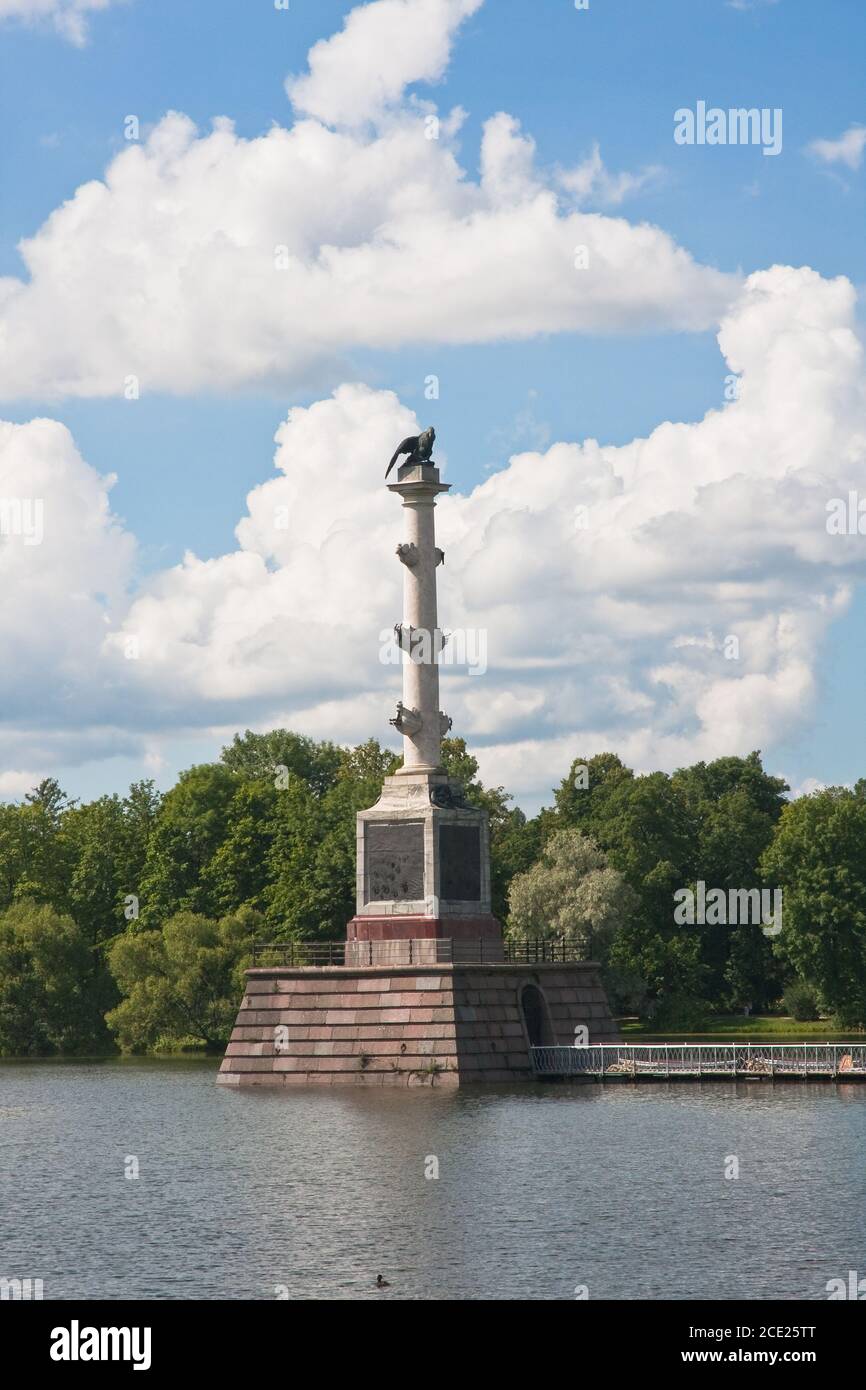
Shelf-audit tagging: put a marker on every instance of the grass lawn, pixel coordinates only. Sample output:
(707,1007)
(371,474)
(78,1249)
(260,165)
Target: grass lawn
(732,1026)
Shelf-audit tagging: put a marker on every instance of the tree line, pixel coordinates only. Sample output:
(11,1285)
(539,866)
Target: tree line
(129,920)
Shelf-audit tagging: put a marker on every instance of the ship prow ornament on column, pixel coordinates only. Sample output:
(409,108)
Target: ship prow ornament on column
(423,860)
(424,991)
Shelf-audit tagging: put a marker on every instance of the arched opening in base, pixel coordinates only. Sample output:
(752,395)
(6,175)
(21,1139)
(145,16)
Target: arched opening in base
(536,1017)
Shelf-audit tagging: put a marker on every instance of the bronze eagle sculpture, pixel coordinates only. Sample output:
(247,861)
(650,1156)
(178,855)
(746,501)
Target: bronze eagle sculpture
(419,448)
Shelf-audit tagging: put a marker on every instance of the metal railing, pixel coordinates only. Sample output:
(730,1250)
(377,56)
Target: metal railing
(419,951)
(542,950)
(672,1060)
(298,953)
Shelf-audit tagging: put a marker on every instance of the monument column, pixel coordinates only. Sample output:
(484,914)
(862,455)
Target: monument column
(422,994)
(418,718)
(423,864)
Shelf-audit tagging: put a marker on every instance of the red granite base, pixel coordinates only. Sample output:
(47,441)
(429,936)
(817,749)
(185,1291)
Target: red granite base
(436,1025)
(484,927)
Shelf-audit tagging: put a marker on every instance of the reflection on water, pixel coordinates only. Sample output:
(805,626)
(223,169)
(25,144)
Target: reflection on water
(541,1189)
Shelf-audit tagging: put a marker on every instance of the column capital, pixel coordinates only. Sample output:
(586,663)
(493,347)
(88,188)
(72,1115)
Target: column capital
(418,482)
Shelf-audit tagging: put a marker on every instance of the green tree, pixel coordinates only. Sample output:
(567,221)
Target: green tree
(189,828)
(582,794)
(259,756)
(515,845)
(46,857)
(712,822)
(181,983)
(368,764)
(47,1003)
(95,834)
(571,892)
(818,859)
(734,805)
(239,872)
(311,863)
(12,852)
(800,1000)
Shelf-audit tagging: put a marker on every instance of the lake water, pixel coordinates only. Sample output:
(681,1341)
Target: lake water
(541,1189)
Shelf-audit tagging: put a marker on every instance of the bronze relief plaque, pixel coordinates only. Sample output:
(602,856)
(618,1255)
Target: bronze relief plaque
(395,861)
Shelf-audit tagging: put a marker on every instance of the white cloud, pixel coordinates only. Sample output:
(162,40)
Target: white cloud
(15,785)
(806,788)
(216,262)
(57,703)
(592,181)
(848,149)
(68,17)
(362,72)
(613,636)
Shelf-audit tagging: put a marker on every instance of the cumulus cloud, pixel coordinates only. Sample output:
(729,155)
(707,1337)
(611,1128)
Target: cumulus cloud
(216,262)
(66,565)
(592,181)
(68,17)
(666,598)
(847,150)
(360,73)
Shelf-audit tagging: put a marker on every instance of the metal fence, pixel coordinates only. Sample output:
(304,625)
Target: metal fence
(689,1060)
(420,951)
(299,953)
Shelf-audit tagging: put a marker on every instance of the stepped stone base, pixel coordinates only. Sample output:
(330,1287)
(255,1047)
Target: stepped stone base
(435,1024)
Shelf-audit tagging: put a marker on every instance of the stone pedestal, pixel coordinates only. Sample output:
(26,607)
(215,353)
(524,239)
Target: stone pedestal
(434,1025)
(423,866)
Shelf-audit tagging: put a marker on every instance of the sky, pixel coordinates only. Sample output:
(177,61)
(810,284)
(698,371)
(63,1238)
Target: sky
(238,241)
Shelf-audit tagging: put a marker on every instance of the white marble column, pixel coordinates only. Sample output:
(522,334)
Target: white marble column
(418,717)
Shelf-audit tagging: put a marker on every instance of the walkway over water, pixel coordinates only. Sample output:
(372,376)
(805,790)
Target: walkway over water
(704,1061)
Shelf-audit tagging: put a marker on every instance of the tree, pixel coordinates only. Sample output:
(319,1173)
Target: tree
(711,822)
(515,845)
(735,806)
(581,796)
(571,892)
(260,755)
(818,859)
(46,1001)
(45,857)
(11,852)
(239,872)
(188,829)
(369,764)
(311,862)
(96,837)
(183,982)
(710,782)
(800,1000)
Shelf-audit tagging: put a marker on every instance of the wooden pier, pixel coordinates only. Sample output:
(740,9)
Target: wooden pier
(841,1062)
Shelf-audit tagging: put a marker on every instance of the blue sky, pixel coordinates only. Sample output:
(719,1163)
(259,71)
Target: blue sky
(614,74)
